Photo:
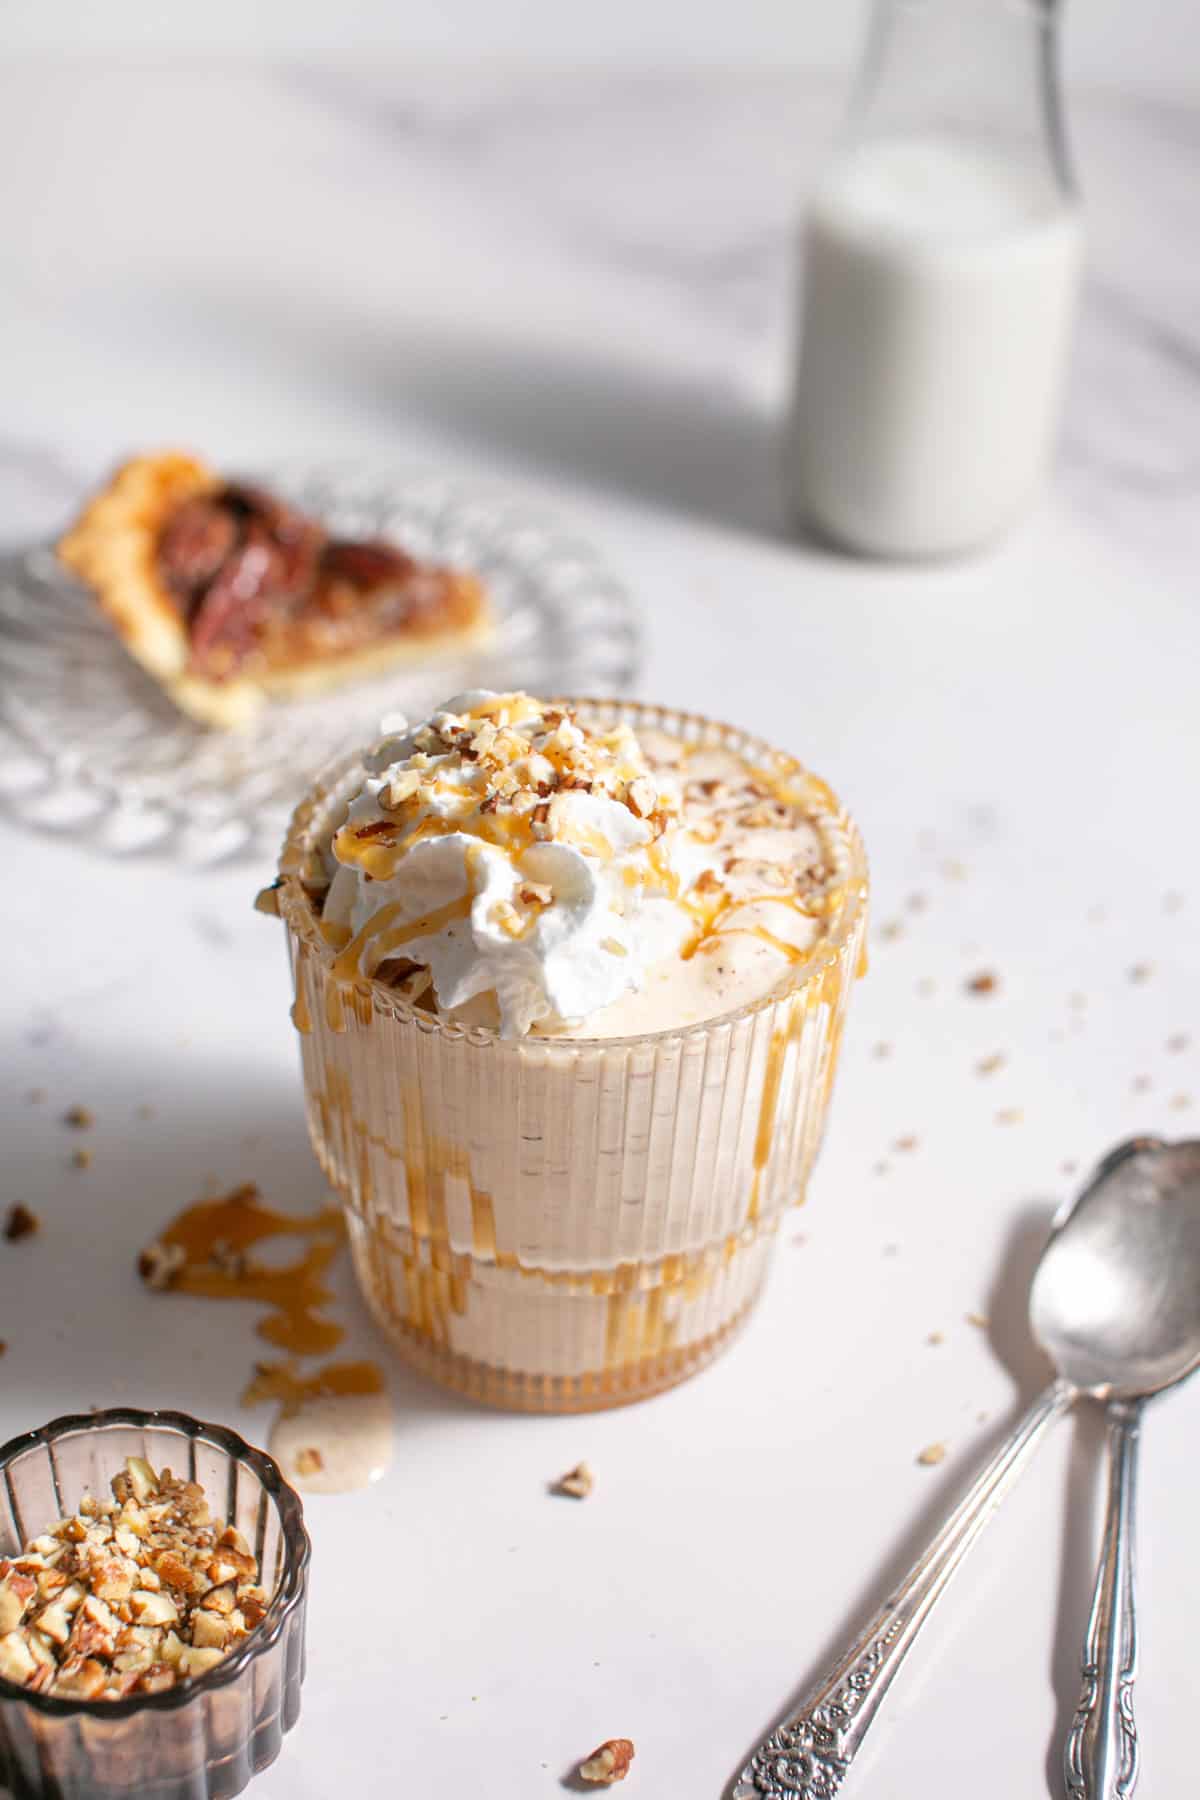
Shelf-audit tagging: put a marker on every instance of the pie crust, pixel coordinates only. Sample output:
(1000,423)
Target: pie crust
(115,548)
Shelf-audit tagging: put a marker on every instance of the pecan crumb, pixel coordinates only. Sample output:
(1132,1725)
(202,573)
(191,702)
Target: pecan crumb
(309,1461)
(20,1223)
(909,1142)
(987,1065)
(159,1264)
(1009,1115)
(1141,972)
(983,983)
(577,1482)
(609,1763)
(80,1118)
(81,1158)
(980,1320)
(936,1337)
(931,1455)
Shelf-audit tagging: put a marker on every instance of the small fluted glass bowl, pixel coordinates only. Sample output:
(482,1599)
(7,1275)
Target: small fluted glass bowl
(205,1738)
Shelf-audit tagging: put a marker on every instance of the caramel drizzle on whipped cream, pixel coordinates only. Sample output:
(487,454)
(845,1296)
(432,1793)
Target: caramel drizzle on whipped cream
(508,772)
(384,938)
(762,801)
(503,784)
(499,772)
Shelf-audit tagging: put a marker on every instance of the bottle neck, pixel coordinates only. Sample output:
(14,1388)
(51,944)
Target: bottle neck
(981,72)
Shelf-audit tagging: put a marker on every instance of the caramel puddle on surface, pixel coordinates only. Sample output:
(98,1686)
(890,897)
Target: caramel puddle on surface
(215,1236)
(333,1432)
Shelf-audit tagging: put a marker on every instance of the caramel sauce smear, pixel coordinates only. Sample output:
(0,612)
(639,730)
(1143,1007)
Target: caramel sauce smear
(205,1251)
(283,1383)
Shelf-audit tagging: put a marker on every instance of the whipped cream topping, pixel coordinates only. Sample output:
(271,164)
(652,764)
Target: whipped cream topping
(509,853)
(515,869)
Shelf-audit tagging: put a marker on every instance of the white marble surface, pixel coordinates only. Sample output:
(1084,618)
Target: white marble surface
(1105,42)
(577,285)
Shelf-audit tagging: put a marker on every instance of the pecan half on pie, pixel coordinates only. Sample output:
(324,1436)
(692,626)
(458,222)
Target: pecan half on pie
(227,595)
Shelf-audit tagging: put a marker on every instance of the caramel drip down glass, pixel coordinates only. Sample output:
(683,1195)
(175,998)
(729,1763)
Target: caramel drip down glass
(560,1225)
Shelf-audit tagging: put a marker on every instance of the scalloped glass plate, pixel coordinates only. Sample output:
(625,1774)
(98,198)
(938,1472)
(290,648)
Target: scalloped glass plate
(91,748)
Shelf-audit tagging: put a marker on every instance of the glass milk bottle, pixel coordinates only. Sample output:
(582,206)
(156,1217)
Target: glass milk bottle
(942,255)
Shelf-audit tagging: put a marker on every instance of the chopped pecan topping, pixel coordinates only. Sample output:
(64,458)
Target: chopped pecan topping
(119,1597)
(377,828)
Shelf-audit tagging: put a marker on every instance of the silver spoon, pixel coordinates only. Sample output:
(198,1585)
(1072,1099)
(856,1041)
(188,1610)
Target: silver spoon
(1119,1310)
(1117,1265)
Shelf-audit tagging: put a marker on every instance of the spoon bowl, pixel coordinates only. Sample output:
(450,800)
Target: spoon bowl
(1115,1301)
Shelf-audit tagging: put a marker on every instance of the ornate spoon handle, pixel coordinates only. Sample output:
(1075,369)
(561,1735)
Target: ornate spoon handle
(809,1755)
(1101,1756)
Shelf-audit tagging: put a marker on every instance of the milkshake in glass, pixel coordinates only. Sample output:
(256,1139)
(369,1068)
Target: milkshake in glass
(569,984)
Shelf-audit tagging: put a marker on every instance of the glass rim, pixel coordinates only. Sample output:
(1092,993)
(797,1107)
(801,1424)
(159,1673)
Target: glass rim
(296,907)
(289,1590)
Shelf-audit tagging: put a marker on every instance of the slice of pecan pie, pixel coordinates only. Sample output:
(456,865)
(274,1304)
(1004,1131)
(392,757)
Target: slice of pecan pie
(227,595)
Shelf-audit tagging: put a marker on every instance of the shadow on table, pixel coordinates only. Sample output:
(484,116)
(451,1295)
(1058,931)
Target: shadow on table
(83,1329)
(694,447)
(1011,1339)
(696,444)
